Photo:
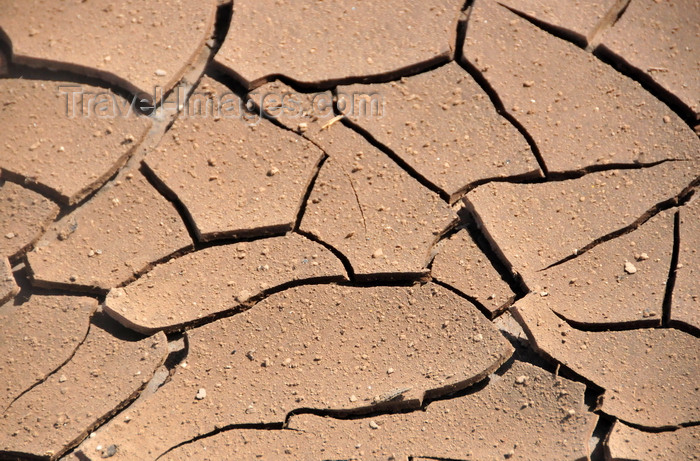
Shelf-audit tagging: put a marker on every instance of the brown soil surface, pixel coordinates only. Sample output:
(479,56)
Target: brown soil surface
(579,19)
(349,230)
(586,116)
(201,284)
(619,281)
(51,140)
(136,46)
(650,375)
(234,178)
(525,401)
(39,336)
(625,442)
(537,225)
(462,265)
(342,40)
(24,216)
(443,125)
(321,347)
(113,368)
(120,232)
(661,39)
(371,210)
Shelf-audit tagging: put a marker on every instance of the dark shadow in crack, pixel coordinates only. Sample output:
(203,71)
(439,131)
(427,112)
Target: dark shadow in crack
(305,87)
(171,197)
(244,306)
(600,433)
(309,189)
(612,15)
(267,427)
(648,83)
(514,280)
(343,259)
(671,283)
(26,289)
(488,246)
(610,326)
(104,322)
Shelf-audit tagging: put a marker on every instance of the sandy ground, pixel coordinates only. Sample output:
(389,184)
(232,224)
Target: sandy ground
(323,230)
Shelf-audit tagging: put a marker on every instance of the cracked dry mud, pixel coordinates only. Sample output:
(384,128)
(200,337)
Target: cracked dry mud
(354,230)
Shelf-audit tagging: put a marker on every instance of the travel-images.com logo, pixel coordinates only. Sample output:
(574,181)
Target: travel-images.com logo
(228,105)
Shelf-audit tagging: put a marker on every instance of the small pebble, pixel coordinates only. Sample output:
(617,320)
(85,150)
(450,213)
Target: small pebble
(521,379)
(353,398)
(378,253)
(10,235)
(62,379)
(161,73)
(390,371)
(243,296)
(667,119)
(201,394)
(642,257)
(373,425)
(629,268)
(110,451)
